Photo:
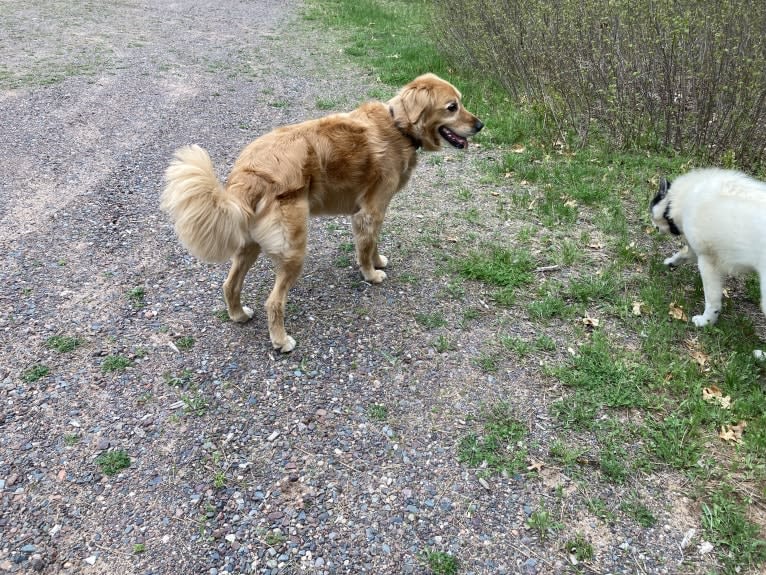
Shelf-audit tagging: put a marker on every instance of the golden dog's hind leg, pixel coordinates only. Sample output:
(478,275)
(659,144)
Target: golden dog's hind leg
(366,227)
(241,263)
(288,270)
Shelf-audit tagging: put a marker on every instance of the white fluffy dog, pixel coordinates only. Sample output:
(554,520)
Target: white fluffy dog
(722,215)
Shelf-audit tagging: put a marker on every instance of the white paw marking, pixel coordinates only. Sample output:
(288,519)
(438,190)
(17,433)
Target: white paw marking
(287,346)
(248,311)
(760,355)
(701,320)
(382,261)
(377,276)
(669,262)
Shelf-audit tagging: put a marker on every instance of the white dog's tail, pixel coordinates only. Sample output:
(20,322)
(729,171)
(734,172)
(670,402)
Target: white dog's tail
(209,222)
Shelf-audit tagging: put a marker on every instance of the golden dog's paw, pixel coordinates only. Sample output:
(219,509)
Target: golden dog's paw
(375,276)
(242,315)
(381,261)
(285,346)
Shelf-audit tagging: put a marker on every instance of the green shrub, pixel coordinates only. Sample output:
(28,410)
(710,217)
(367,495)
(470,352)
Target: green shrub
(686,74)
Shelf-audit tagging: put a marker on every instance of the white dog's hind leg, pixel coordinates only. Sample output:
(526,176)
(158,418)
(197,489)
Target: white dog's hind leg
(685,254)
(712,285)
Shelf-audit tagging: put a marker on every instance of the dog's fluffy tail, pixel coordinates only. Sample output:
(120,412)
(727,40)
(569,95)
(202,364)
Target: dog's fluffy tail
(211,223)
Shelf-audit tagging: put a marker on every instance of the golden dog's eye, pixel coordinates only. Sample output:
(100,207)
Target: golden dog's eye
(452,107)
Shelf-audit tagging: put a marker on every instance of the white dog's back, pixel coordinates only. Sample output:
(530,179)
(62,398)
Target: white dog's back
(723,215)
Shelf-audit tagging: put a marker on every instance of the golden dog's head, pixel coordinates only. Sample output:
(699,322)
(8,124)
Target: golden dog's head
(429,111)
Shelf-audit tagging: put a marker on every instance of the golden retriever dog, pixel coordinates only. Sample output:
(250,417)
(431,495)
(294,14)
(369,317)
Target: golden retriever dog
(350,163)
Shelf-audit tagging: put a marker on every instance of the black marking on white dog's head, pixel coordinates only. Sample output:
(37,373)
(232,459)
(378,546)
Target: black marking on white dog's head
(661,194)
(660,210)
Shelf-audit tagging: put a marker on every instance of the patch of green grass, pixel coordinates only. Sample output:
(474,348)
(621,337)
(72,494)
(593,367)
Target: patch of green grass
(180,380)
(71,439)
(222,315)
(431,320)
(35,372)
(326,104)
(274,538)
(600,509)
(565,455)
(343,261)
(136,297)
(612,463)
(608,377)
(195,404)
(185,342)
(634,508)
(377,412)
(725,523)
(675,440)
(542,521)
(579,548)
(498,448)
(115,363)
(487,362)
(443,344)
(440,562)
(112,462)
(498,266)
(219,481)
(139,548)
(63,343)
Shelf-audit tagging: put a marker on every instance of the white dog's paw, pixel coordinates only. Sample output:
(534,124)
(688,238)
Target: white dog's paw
(376,276)
(701,320)
(759,354)
(670,262)
(381,261)
(286,346)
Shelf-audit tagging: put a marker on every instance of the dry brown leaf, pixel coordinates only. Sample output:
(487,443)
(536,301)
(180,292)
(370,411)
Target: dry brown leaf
(571,203)
(596,246)
(713,394)
(590,321)
(638,307)
(733,433)
(518,149)
(700,357)
(535,465)
(677,312)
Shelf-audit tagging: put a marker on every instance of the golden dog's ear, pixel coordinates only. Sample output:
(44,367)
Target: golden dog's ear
(412,102)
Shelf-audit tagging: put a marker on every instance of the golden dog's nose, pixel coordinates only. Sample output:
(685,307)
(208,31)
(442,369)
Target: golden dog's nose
(478,125)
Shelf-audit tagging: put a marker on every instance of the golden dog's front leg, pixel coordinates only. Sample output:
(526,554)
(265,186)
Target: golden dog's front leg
(366,226)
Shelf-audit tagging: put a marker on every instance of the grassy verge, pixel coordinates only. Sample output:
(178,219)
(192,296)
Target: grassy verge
(652,392)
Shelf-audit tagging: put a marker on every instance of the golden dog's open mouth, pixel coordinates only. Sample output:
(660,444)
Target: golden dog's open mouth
(454,139)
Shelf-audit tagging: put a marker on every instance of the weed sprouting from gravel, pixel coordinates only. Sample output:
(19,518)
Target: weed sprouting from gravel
(136,297)
(497,448)
(112,462)
(185,342)
(726,524)
(440,562)
(542,521)
(35,372)
(63,343)
(115,363)
(377,412)
(431,320)
(579,548)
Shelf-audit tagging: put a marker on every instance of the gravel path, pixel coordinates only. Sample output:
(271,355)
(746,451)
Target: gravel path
(242,460)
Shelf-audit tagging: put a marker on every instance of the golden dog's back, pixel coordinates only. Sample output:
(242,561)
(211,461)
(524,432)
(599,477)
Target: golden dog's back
(334,160)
